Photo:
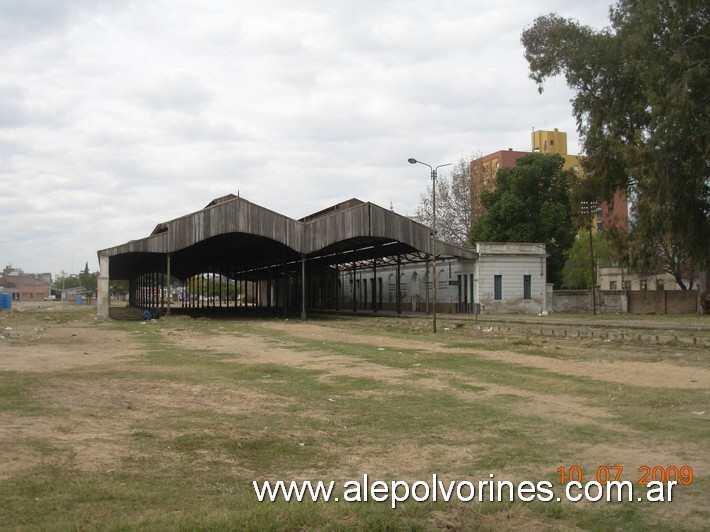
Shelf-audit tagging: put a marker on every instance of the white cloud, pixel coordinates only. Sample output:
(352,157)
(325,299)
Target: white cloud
(117,115)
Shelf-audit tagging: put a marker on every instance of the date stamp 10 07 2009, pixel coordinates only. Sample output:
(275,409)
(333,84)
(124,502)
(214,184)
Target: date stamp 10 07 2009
(682,475)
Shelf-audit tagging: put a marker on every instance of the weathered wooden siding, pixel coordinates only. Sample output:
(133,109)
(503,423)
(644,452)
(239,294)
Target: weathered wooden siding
(240,216)
(387,224)
(373,221)
(338,227)
(236,216)
(151,244)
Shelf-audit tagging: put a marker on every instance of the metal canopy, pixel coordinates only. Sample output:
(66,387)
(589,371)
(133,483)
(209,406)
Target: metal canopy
(232,235)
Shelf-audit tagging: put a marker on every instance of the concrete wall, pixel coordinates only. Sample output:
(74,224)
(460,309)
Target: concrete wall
(622,301)
(573,301)
(612,301)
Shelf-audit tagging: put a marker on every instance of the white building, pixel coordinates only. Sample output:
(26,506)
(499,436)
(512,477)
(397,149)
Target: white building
(505,277)
(511,277)
(616,278)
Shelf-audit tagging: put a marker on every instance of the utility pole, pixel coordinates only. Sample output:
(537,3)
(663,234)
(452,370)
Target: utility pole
(590,208)
(433,232)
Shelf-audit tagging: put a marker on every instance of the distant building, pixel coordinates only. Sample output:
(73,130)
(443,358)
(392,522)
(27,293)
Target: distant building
(484,170)
(483,174)
(25,287)
(616,278)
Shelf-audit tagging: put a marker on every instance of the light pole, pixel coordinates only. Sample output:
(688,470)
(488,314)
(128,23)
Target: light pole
(433,232)
(590,208)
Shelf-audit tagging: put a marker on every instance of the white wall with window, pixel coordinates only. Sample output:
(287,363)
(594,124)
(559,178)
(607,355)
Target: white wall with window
(511,277)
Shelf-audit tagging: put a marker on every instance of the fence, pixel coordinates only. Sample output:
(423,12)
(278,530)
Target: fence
(623,301)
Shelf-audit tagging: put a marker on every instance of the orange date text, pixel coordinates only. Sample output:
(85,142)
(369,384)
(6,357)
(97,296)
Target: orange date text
(612,473)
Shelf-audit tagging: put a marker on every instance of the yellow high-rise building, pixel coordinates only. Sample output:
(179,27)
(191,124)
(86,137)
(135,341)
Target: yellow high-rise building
(554,141)
(549,141)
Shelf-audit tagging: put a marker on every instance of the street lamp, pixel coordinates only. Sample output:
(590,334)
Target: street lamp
(590,208)
(433,230)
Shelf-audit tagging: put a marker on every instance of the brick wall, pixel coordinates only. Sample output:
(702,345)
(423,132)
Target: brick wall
(663,302)
(615,301)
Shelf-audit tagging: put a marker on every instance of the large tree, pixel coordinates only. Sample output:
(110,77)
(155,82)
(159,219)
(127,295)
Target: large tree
(642,106)
(453,205)
(577,273)
(531,203)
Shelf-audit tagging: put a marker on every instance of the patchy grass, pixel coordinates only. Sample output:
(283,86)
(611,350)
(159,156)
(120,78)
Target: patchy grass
(17,393)
(172,436)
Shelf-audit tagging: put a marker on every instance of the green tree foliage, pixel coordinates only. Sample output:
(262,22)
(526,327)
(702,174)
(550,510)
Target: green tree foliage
(577,273)
(84,279)
(118,288)
(641,105)
(531,203)
(89,280)
(208,286)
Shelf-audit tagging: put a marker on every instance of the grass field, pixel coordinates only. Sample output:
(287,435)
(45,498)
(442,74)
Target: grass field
(164,425)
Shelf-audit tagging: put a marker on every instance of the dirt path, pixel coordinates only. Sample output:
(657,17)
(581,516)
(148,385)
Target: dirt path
(653,374)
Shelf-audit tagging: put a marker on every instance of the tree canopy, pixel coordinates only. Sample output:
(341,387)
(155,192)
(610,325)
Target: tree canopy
(641,105)
(453,205)
(577,273)
(85,279)
(531,203)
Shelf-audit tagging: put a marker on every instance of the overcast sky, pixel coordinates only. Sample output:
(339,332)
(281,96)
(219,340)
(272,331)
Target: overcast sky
(116,115)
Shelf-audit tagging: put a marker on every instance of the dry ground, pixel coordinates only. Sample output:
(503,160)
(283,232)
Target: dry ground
(91,424)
